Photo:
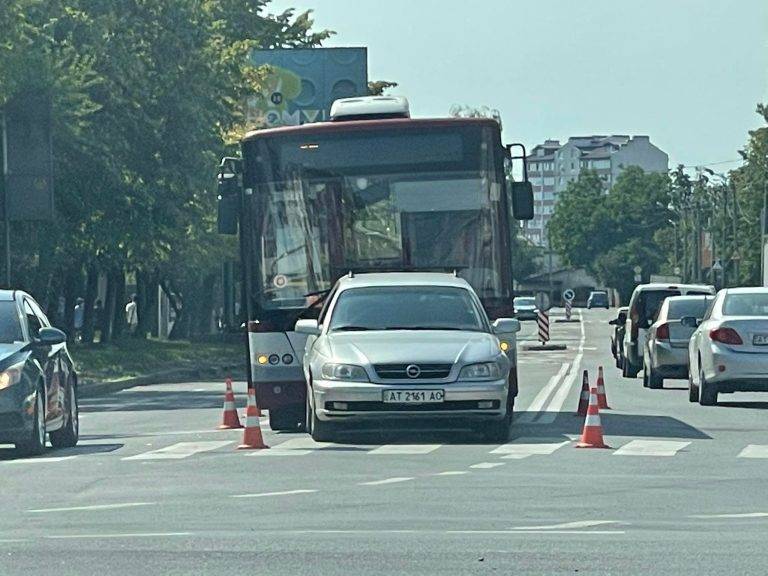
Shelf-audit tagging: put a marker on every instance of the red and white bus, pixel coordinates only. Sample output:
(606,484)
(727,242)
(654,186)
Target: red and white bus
(371,190)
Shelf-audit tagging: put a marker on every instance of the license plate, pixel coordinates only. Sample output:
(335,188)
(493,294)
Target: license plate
(414,396)
(760,339)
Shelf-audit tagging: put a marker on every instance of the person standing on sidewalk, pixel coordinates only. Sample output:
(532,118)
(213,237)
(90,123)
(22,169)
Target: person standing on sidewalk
(132,315)
(79,318)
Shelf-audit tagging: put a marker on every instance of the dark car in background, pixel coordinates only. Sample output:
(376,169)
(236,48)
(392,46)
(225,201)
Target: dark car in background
(38,383)
(598,299)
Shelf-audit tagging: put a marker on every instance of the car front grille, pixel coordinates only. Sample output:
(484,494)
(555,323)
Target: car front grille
(400,371)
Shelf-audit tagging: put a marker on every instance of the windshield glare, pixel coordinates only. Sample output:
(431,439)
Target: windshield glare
(695,307)
(406,307)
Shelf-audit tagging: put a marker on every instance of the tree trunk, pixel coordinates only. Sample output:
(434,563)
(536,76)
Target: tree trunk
(143,310)
(109,311)
(205,306)
(72,290)
(118,315)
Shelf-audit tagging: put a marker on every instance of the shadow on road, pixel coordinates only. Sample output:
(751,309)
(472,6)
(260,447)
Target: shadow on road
(613,425)
(158,400)
(9,454)
(752,405)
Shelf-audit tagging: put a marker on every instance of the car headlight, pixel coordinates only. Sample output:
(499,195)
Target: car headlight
(344,372)
(10,376)
(483,371)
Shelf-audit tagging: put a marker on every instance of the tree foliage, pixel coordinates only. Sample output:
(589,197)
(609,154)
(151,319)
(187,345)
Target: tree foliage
(146,95)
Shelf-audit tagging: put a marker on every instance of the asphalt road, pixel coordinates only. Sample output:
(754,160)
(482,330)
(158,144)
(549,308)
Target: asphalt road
(155,488)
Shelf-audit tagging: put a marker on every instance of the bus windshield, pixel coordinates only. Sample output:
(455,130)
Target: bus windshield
(376,201)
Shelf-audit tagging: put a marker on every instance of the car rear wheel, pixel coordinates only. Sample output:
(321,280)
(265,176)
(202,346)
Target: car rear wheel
(629,370)
(707,392)
(67,436)
(693,390)
(35,445)
(654,380)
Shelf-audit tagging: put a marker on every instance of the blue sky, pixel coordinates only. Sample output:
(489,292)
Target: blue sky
(688,73)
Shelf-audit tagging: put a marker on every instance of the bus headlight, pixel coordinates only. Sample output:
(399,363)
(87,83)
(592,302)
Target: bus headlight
(347,372)
(482,371)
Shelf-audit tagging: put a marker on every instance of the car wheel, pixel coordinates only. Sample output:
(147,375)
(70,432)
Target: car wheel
(693,390)
(707,392)
(628,369)
(645,376)
(319,431)
(67,436)
(35,445)
(655,382)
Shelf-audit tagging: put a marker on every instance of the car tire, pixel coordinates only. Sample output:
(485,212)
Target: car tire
(35,445)
(628,369)
(693,390)
(655,382)
(68,435)
(707,392)
(319,431)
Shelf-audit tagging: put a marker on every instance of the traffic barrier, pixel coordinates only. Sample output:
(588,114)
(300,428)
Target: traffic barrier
(229,419)
(568,307)
(252,438)
(592,434)
(602,400)
(584,395)
(543,322)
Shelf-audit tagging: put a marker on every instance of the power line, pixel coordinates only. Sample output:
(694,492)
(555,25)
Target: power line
(702,165)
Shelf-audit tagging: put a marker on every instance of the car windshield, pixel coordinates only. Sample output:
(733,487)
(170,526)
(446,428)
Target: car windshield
(649,302)
(406,308)
(10,326)
(525,301)
(749,304)
(695,307)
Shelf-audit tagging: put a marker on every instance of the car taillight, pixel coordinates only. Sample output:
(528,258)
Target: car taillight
(662,332)
(725,335)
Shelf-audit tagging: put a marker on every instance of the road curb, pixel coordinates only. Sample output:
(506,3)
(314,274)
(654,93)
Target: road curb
(89,389)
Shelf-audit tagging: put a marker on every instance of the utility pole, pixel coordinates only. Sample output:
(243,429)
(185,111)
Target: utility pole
(6,218)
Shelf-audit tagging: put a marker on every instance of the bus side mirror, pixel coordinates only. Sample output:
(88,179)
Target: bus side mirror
(522,200)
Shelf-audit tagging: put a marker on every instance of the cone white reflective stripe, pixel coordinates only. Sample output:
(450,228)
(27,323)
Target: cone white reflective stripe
(252,422)
(229,405)
(593,400)
(592,420)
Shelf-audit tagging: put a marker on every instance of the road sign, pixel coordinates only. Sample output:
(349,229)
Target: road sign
(542,301)
(637,270)
(569,294)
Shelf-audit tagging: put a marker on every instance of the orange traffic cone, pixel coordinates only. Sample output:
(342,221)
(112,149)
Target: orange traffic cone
(252,439)
(230,419)
(602,401)
(584,396)
(592,435)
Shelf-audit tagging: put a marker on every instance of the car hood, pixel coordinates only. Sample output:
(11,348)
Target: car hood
(404,346)
(9,350)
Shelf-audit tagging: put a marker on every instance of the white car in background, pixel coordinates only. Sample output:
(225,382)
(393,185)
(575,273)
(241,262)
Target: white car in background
(666,349)
(728,351)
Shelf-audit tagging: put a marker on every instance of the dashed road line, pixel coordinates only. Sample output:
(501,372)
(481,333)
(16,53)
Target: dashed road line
(395,480)
(523,448)
(651,448)
(269,494)
(416,449)
(730,516)
(453,473)
(95,507)
(179,450)
(487,465)
(754,451)
(125,535)
(569,525)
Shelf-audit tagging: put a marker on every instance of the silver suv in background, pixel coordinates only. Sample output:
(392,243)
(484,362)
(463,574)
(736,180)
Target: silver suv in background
(666,348)
(643,309)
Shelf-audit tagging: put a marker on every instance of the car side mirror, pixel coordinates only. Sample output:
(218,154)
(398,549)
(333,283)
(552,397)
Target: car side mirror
(48,336)
(506,326)
(522,200)
(307,326)
(689,321)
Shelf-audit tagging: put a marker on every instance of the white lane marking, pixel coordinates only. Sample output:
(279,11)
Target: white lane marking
(386,481)
(568,525)
(94,507)
(279,452)
(268,494)
(487,465)
(38,460)
(405,449)
(508,532)
(754,451)
(651,448)
(126,535)
(744,515)
(556,404)
(10,540)
(303,443)
(541,398)
(522,448)
(452,473)
(180,450)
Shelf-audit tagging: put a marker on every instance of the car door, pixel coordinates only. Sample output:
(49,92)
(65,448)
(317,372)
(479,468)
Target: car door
(48,357)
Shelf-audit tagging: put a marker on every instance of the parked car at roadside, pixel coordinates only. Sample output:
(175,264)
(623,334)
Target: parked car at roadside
(643,309)
(598,299)
(617,336)
(666,348)
(728,351)
(525,308)
(413,346)
(38,382)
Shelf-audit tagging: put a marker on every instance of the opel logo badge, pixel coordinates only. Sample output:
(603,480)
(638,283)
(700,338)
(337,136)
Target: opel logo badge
(412,371)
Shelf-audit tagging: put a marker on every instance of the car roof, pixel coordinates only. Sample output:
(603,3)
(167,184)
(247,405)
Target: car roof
(402,279)
(672,286)
(7,295)
(747,290)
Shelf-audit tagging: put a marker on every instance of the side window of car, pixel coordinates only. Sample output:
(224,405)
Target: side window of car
(39,313)
(33,322)
(326,305)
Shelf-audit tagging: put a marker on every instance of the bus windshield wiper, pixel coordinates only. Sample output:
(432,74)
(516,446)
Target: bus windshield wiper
(350,328)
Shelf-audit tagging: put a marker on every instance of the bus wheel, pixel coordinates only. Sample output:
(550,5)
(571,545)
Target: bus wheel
(287,418)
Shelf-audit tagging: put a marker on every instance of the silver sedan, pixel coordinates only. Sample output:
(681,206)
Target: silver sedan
(407,345)
(728,351)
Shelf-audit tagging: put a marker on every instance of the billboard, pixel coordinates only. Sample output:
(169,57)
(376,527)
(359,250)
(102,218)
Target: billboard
(304,82)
